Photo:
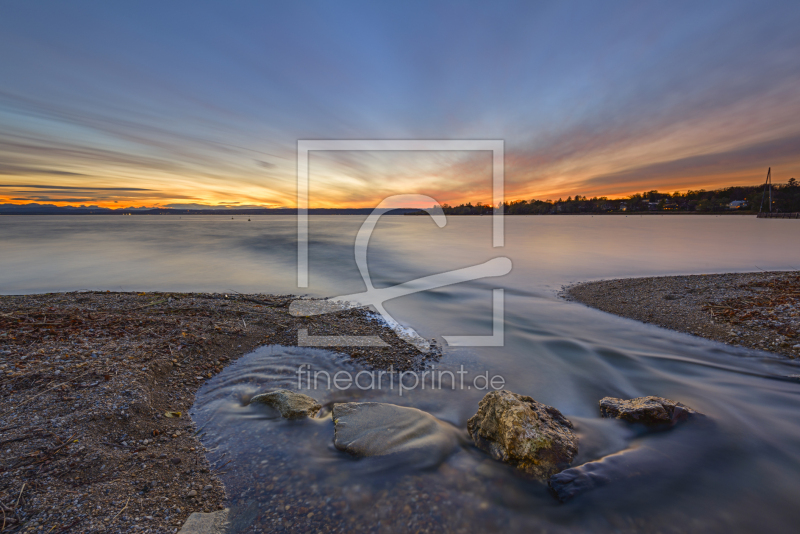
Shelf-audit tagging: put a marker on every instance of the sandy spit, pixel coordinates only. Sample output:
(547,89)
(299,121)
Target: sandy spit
(756,310)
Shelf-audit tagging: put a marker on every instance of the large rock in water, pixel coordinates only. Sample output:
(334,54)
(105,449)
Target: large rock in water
(291,404)
(531,436)
(645,410)
(377,429)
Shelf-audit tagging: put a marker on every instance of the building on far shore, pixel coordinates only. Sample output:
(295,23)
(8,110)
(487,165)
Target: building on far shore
(737,204)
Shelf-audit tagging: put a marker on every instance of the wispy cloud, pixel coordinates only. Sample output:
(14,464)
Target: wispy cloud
(70,188)
(192,112)
(745,163)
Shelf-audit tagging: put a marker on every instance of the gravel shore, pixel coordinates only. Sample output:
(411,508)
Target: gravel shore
(755,310)
(95,389)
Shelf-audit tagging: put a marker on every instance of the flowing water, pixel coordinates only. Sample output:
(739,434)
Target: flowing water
(740,473)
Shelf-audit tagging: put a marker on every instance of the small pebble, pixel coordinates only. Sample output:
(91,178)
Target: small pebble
(192,493)
(176,461)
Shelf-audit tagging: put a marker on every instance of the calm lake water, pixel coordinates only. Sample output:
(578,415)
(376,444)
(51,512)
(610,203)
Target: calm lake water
(739,474)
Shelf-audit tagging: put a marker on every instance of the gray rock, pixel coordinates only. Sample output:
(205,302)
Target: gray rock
(517,430)
(290,404)
(645,410)
(200,523)
(377,429)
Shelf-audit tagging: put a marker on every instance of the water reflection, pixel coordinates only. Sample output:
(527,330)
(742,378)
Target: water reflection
(288,474)
(271,463)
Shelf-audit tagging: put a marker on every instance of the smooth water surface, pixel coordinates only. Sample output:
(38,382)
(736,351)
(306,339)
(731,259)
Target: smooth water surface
(739,475)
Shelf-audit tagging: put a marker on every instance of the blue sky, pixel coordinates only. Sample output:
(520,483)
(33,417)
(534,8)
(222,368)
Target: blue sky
(177,103)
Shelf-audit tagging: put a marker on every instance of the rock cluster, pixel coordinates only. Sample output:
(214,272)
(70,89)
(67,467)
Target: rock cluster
(539,440)
(517,430)
(535,438)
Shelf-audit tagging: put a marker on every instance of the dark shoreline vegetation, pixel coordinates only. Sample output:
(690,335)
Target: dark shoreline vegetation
(94,393)
(737,199)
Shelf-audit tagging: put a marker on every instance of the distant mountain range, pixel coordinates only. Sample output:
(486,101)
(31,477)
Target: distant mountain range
(51,209)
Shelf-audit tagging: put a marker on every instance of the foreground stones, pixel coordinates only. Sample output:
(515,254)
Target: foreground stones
(535,438)
(375,429)
(645,410)
(517,430)
(202,523)
(290,404)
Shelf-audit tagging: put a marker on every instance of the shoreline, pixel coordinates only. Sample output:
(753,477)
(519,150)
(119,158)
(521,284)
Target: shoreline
(87,380)
(599,213)
(754,310)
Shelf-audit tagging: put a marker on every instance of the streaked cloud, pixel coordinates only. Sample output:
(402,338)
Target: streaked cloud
(204,107)
(70,188)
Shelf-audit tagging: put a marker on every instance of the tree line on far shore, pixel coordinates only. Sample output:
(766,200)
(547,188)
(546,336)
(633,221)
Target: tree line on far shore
(785,199)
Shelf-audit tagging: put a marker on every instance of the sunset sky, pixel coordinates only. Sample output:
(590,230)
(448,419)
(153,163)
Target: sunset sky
(197,103)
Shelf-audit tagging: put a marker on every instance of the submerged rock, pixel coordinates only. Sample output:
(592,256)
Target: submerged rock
(291,404)
(575,481)
(634,463)
(531,436)
(378,429)
(650,463)
(206,523)
(646,464)
(645,410)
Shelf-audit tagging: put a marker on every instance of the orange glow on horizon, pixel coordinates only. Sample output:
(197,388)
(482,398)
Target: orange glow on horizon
(213,199)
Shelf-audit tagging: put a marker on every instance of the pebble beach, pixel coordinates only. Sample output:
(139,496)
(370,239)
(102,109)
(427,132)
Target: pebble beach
(94,393)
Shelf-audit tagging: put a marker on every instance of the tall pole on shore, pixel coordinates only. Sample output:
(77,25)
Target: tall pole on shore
(769,181)
(767,184)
